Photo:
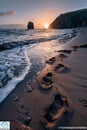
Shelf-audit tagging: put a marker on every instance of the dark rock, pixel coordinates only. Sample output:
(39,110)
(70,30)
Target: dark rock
(70,20)
(30,25)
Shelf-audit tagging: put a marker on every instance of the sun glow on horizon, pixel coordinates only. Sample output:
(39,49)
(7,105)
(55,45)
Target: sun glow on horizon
(46,25)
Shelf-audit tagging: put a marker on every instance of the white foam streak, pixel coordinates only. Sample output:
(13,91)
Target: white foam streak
(5,91)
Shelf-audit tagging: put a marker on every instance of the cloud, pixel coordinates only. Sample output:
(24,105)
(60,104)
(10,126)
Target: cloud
(7,13)
(52,11)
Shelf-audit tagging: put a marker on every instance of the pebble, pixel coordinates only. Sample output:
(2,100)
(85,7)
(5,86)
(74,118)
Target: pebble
(16,98)
(27,120)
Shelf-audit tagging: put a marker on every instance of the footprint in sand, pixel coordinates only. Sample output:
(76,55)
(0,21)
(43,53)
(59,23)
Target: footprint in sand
(24,116)
(84,102)
(62,56)
(61,68)
(75,47)
(49,74)
(51,60)
(65,51)
(55,111)
(19,126)
(47,81)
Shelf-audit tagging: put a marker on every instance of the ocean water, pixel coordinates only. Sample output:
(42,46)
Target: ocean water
(21,50)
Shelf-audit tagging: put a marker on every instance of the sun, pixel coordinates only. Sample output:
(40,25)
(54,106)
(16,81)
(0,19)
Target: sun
(46,25)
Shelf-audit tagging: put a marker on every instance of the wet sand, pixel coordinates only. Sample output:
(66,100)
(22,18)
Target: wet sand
(57,96)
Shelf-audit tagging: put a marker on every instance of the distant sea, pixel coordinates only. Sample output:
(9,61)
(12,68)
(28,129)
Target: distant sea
(22,49)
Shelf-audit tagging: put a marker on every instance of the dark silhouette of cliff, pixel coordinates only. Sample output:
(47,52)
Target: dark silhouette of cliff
(30,25)
(70,20)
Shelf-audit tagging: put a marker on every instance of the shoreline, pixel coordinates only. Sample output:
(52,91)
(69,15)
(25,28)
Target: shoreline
(64,87)
(12,80)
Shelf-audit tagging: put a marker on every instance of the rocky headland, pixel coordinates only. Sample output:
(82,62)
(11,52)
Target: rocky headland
(70,20)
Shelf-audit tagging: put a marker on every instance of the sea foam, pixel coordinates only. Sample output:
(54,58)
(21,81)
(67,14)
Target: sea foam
(15,65)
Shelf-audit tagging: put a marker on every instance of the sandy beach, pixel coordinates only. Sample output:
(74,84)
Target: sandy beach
(57,96)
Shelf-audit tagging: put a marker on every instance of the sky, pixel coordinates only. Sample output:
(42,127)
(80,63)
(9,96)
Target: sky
(38,11)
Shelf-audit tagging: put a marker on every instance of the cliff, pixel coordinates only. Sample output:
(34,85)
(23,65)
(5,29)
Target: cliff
(70,20)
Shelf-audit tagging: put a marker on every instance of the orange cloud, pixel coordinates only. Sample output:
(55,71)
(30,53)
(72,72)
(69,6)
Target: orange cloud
(52,11)
(7,13)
